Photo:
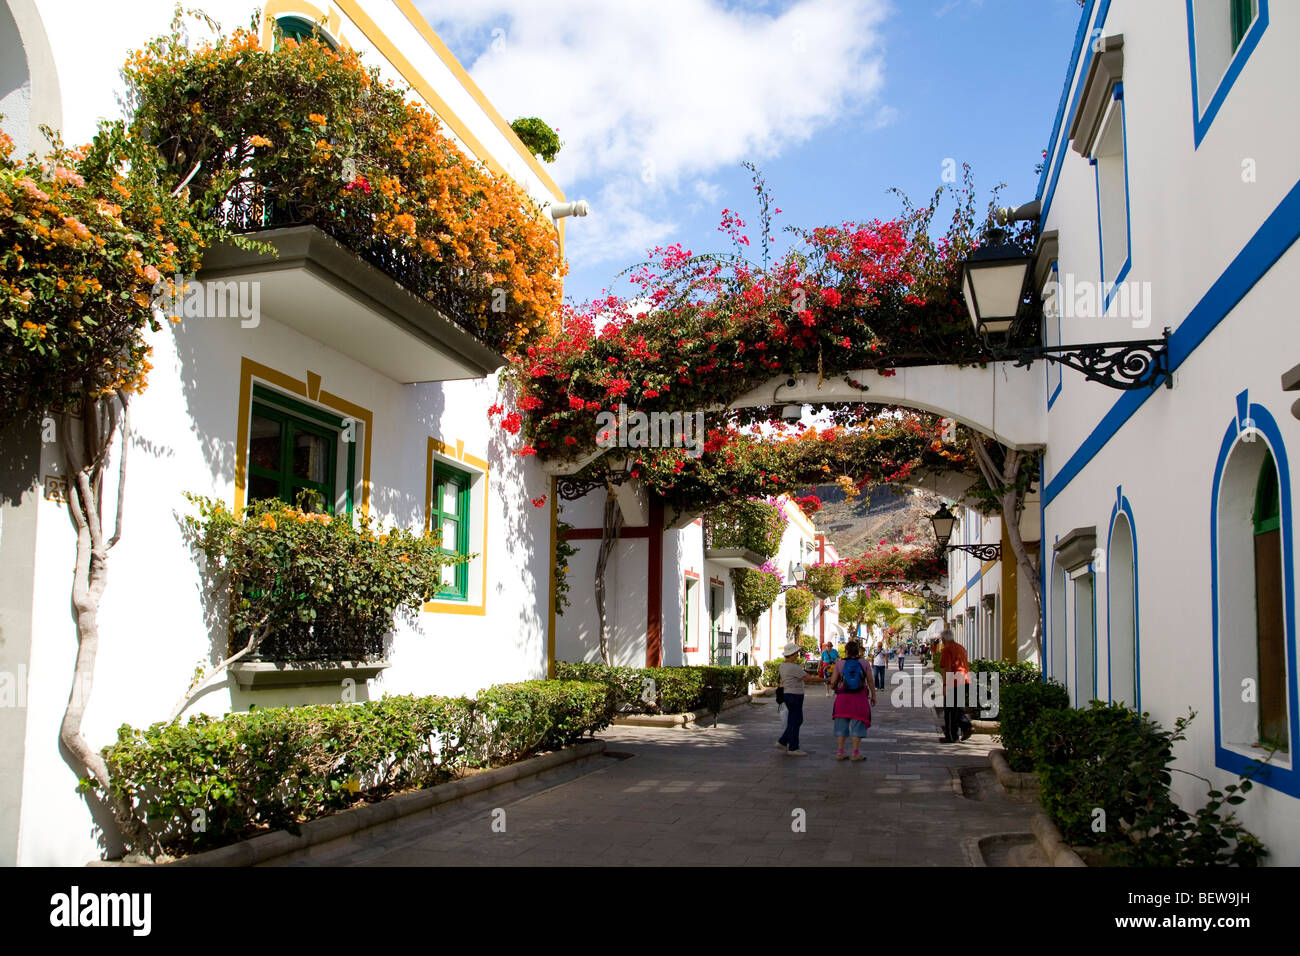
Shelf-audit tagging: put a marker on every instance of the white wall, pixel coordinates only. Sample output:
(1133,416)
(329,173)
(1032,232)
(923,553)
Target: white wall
(1193,212)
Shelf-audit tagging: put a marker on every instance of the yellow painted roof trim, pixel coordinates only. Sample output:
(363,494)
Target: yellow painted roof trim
(422,25)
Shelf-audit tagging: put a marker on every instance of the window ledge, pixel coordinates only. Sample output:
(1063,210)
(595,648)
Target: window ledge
(259,675)
(1105,70)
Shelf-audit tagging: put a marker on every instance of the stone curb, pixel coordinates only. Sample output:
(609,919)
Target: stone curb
(1008,778)
(271,845)
(1049,839)
(986,726)
(676,720)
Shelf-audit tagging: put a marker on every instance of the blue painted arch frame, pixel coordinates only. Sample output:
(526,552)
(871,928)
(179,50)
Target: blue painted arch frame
(1286,780)
(1122,506)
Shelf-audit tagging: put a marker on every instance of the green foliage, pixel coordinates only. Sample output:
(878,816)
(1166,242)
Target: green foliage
(756,590)
(1009,672)
(772,673)
(1019,706)
(540,714)
(87,239)
(246,773)
(752,524)
(825,580)
(798,605)
(1113,758)
(660,690)
(301,132)
(540,139)
(309,579)
(808,643)
(563,551)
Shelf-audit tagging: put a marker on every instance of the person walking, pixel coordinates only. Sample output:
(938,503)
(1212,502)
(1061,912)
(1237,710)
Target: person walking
(829,656)
(953,660)
(901,655)
(879,663)
(853,689)
(792,688)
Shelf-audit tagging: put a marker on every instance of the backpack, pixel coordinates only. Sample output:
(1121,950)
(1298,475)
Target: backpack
(852,677)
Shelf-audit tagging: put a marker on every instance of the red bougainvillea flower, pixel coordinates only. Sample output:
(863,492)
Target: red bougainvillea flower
(526,451)
(539,502)
(512,423)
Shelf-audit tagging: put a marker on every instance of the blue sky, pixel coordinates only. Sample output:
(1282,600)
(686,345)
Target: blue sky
(835,100)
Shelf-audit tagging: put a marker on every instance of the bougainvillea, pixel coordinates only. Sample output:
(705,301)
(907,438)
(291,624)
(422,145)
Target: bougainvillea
(756,590)
(826,579)
(753,524)
(809,505)
(895,564)
(875,295)
(304,133)
(85,237)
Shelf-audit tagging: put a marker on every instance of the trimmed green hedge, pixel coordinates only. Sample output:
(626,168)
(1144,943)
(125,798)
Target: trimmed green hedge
(772,673)
(660,690)
(1009,673)
(213,781)
(1019,706)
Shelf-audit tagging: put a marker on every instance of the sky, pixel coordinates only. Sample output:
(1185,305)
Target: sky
(658,102)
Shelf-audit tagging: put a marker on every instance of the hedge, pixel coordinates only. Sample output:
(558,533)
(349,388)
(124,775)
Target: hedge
(1009,672)
(1018,707)
(212,781)
(660,690)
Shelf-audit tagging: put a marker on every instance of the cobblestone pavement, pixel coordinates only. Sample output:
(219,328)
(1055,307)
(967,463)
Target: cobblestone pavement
(726,795)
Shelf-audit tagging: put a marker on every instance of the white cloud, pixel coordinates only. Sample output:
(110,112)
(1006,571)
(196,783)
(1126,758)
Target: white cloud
(651,99)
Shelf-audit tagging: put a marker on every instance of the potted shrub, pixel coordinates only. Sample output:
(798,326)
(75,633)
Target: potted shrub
(825,580)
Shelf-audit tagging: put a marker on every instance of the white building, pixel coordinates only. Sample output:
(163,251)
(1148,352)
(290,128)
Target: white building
(1172,188)
(670,599)
(338,343)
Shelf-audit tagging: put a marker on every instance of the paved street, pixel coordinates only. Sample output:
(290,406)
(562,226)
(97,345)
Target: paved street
(725,795)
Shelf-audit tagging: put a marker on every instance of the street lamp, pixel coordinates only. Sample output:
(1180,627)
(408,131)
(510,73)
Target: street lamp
(799,572)
(943,521)
(993,283)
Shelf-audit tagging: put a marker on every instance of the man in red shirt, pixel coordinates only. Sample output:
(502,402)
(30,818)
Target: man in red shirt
(953,660)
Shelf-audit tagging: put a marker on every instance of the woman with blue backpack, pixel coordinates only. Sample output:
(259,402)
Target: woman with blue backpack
(853,690)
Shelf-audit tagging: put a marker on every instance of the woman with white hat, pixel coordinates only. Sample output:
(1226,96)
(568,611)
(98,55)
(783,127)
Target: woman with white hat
(792,687)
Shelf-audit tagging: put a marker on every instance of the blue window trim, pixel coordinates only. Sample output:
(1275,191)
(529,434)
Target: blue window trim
(1108,292)
(1269,243)
(1122,505)
(1286,780)
(1201,121)
(1050,367)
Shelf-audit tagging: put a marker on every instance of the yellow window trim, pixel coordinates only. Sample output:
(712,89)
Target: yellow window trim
(459,454)
(310,390)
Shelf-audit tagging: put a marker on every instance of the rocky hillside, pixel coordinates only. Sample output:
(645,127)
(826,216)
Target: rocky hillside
(888,512)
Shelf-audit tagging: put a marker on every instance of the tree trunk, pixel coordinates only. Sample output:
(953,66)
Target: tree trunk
(85,450)
(1011,503)
(610,528)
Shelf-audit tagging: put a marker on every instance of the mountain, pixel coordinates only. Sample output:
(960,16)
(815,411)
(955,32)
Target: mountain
(894,514)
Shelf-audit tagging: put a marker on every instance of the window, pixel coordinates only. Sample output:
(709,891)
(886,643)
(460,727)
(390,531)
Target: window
(1270,627)
(1253,582)
(1085,640)
(449,513)
(1221,36)
(691,609)
(1109,160)
(1121,654)
(1243,15)
(300,29)
(293,454)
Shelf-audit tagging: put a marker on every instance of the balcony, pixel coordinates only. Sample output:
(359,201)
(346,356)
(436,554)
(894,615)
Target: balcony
(333,279)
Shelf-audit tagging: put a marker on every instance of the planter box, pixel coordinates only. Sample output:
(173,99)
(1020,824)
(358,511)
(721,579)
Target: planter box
(734,557)
(261,675)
